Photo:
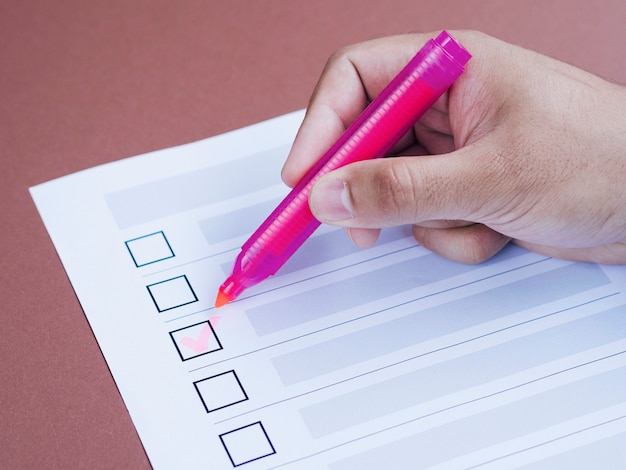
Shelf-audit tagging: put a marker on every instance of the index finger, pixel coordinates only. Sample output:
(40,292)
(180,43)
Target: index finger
(352,77)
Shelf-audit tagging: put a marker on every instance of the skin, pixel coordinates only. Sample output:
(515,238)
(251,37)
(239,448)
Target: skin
(522,148)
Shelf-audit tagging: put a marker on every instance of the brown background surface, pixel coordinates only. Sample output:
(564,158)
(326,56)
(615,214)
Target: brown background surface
(88,82)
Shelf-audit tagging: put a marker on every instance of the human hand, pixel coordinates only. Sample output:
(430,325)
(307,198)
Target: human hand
(522,147)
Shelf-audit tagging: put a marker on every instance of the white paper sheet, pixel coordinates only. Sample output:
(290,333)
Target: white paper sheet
(390,357)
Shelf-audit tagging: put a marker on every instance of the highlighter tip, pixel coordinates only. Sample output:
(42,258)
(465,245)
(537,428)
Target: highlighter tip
(222,299)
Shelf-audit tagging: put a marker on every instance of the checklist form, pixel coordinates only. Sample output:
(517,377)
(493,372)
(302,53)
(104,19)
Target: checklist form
(388,357)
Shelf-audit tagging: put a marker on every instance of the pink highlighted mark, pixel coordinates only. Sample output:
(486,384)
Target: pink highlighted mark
(201,344)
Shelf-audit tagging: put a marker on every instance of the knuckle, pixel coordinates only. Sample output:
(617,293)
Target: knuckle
(395,191)
(340,55)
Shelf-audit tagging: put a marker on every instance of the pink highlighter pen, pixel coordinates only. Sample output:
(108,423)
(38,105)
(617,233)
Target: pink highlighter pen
(381,125)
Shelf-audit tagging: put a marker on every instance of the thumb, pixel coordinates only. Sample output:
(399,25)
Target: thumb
(401,190)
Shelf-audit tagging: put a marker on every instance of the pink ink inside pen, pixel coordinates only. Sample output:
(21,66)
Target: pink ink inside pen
(381,125)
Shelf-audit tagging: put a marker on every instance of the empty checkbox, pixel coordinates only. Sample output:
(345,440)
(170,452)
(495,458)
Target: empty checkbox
(172,293)
(220,391)
(247,444)
(149,249)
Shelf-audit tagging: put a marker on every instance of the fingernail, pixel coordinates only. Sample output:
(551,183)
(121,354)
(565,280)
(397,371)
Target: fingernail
(331,202)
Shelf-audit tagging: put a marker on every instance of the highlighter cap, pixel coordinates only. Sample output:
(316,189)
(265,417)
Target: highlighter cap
(452,48)
(440,62)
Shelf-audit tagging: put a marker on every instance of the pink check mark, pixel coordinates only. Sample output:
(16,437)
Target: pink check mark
(200,344)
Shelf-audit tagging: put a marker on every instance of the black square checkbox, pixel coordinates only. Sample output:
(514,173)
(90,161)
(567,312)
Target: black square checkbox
(247,444)
(196,340)
(149,249)
(172,293)
(220,391)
